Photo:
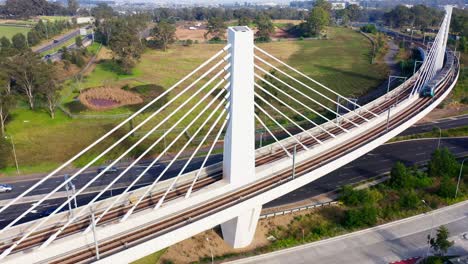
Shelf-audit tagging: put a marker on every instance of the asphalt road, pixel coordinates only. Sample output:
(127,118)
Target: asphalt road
(383,244)
(446,123)
(59,42)
(372,164)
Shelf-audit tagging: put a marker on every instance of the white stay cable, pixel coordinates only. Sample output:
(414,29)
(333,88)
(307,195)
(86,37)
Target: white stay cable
(95,178)
(294,110)
(150,187)
(161,200)
(278,124)
(85,208)
(302,104)
(13,201)
(312,80)
(308,87)
(110,148)
(422,77)
(273,135)
(189,191)
(160,155)
(312,99)
(289,119)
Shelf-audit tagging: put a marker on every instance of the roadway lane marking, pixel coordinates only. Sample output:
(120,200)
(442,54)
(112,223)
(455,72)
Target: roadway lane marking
(419,154)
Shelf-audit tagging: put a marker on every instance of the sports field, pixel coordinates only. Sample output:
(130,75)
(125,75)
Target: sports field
(9,31)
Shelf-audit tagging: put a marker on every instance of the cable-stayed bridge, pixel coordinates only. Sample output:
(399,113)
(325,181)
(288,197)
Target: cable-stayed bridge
(219,105)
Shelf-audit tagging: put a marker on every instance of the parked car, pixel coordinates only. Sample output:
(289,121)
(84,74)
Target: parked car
(110,170)
(56,41)
(5,188)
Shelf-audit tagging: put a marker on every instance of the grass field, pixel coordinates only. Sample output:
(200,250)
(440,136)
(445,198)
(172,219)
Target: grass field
(10,31)
(342,63)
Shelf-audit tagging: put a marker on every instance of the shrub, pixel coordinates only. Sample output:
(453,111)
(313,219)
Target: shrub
(369,28)
(409,199)
(447,188)
(399,176)
(360,217)
(443,164)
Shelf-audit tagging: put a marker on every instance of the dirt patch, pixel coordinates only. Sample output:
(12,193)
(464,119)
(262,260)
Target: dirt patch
(199,246)
(108,98)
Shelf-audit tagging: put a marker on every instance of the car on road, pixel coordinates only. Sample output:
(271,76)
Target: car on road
(5,188)
(110,170)
(56,41)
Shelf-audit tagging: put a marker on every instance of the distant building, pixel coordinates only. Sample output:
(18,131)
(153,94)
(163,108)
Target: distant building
(338,6)
(84,20)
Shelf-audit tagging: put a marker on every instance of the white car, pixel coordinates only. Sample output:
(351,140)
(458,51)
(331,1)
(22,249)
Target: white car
(5,188)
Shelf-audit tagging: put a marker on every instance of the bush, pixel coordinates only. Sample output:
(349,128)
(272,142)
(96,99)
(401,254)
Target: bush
(360,217)
(369,28)
(443,164)
(447,188)
(399,176)
(409,199)
(352,197)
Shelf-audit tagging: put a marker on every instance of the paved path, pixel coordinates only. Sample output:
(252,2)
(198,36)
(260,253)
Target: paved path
(383,244)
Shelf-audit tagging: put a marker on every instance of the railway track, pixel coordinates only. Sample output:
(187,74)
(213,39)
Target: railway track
(41,236)
(156,229)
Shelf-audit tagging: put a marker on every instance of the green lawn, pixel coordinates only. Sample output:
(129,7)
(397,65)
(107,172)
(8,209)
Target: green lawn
(10,31)
(342,63)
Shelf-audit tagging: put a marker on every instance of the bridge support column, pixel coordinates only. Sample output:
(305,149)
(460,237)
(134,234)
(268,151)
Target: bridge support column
(239,231)
(239,141)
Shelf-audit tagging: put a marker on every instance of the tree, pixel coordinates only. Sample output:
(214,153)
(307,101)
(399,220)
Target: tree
(409,199)
(359,217)
(265,28)
(33,38)
(5,42)
(5,152)
(78,41)
(440,244)
(102,11)
(125,44)
(49,90)
(399,176)
(25,69)
(447,187)
(216,28)
(243,21)
(353,12)
(443,163)
(164,34)
(324,4)
(19,42)
(7,101)
(72,7)
(318,19)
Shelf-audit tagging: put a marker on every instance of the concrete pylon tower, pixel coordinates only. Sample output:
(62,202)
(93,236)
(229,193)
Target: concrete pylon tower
(239,142)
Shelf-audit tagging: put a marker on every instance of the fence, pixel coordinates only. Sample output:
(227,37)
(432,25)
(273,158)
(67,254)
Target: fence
(297,209)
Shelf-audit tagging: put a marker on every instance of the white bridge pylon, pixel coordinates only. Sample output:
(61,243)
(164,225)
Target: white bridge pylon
(221,104)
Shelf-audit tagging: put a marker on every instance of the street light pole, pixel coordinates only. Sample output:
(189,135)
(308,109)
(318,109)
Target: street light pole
(261,139)
(459,176)
(14,153)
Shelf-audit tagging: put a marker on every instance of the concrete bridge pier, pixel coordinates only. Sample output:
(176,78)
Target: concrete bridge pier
(239,231)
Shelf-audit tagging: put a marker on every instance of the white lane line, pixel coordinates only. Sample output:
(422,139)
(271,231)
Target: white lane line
(419,154)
